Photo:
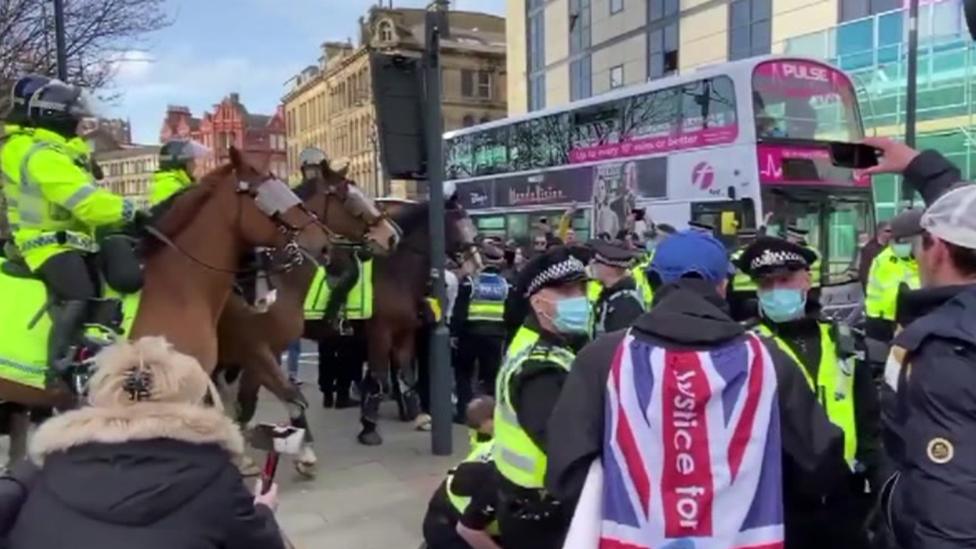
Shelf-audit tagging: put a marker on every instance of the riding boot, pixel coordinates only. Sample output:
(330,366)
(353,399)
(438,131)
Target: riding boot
(67,320)
(339,293)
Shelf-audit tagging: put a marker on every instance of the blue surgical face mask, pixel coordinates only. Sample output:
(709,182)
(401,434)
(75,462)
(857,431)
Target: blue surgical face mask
(783,304)
(572,315)
(902,250)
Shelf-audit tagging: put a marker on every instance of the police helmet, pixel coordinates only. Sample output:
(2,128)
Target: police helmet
(310,162)
(59,107)
(178,153)
(20,95)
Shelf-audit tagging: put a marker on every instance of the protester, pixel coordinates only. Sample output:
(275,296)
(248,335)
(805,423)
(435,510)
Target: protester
(824,352)
(867,253)
(146,465)
(529,383)
(683,358)
(461,513)
(930,375)
(619,302)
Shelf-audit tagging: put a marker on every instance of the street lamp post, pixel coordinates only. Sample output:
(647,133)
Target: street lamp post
(436,27)
(911,93)
(59,40)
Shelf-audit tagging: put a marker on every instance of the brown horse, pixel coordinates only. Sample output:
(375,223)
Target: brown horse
(253,342)
(190,268)
(400,284)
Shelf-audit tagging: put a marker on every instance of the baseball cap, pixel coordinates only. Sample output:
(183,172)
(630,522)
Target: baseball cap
(951,218)
(690,252)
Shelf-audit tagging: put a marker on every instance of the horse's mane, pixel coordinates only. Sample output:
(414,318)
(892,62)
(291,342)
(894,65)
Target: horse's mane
(175,213)
(412,217)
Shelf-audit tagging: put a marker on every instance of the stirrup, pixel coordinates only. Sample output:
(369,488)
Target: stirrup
(345,327)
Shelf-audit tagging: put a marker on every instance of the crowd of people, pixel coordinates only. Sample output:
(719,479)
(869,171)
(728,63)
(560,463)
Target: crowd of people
(682,420)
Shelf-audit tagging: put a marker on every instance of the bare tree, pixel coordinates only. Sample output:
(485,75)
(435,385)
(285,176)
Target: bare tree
(97,32)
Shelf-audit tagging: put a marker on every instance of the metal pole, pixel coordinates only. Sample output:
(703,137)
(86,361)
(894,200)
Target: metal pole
(440,366)
(62,48)
(911,94)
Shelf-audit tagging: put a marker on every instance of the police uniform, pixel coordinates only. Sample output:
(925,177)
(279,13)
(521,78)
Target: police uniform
(477,323)
(617,306)
(824,353)
(529,383)
(54,208)
(887,275)
(467,496)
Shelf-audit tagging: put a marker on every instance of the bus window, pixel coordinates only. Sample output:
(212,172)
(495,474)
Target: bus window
(717,215)
(796,99)
(491,225)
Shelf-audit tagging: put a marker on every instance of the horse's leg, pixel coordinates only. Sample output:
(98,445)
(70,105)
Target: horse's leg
(380,340)
(403,357)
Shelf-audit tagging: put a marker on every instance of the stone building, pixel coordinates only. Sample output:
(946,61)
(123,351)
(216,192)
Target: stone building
(129,169)
(260,136)
(330,105)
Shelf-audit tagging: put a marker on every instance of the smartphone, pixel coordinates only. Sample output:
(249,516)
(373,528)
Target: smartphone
(856,156)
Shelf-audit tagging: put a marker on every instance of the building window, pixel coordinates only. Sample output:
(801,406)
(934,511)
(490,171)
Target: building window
(484,84)
(484,120)
(616,76)
(750,28)
(537,92)
(579,25)
(616,6)
(856,9)
(663,50)
(385,31)
(476,84)
(580,78)
(468,121)
(537,41)
(662,9)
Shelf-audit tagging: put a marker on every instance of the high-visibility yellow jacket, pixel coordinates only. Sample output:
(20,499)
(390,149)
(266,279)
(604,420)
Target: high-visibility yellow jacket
(887,273)
(166,183)
(53,204)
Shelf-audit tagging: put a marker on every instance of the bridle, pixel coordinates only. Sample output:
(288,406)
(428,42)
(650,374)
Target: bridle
(332,191)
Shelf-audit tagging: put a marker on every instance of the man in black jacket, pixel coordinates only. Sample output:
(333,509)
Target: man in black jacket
(619,303)
(928,398)
(689,314)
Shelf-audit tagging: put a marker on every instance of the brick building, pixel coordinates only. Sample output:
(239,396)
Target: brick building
(260,136)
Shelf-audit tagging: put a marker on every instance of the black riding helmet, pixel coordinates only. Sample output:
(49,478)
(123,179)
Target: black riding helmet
(310,162)
(20,95)
(59,107)
(178,153)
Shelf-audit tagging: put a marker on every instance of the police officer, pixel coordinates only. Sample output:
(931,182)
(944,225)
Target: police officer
(742,294)
(824,353)
(895,266)
(177,163)
(619,303)
(529,383)
(54,208)
(477,323)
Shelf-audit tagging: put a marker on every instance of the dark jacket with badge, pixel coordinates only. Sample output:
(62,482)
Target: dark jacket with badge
(618,306)
(172,484)
(688,315)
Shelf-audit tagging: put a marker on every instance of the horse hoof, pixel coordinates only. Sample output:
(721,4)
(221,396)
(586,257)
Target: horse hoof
(306,469)
(371,438)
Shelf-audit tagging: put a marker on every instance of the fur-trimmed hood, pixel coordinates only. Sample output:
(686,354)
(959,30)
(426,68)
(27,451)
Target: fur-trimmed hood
(143,421)
(136,465)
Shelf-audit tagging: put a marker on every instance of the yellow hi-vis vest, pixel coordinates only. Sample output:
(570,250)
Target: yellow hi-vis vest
(53,204)
(480,452)
(517,458)
(167,183)
(639,272)
(834,386)
(815,274)
(887,274)
(741,282)
(488,294)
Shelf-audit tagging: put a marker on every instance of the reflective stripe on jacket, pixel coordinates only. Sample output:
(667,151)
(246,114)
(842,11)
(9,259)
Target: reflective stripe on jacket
(887,274)
(834,386)
(517,457)
(53,204)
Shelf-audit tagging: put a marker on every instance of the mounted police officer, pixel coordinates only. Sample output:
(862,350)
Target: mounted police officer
(535,366)
(54,207)
(824,353)
(178,160)
(477,323)
(619,302)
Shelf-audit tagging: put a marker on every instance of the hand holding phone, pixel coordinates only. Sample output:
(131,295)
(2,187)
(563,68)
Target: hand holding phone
(857,156)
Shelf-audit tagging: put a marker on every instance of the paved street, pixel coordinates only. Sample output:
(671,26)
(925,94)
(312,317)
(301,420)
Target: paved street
(362,498)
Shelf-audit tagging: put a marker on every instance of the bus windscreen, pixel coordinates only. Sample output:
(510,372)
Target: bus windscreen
(797,99)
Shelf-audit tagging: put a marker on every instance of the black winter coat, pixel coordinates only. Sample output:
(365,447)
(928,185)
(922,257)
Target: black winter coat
(171,485)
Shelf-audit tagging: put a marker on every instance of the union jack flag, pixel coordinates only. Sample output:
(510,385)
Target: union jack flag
(691,449)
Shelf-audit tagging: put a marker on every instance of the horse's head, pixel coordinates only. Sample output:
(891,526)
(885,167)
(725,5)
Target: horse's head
(460,234)
(273,216)
(346,210)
